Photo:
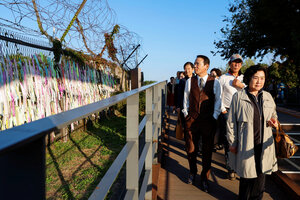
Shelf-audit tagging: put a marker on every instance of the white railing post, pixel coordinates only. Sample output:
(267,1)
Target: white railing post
(160,86)
(148,138)
(155,123)
(132,130)
(166,94)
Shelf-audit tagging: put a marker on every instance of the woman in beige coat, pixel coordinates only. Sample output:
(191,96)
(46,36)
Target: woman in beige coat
(251,117)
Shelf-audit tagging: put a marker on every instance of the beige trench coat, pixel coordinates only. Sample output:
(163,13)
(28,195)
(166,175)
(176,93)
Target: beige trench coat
(240,135)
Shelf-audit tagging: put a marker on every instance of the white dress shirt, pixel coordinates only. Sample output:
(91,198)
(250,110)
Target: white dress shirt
(227,89)
(217,92)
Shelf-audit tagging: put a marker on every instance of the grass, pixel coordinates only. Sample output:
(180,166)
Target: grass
(74,168)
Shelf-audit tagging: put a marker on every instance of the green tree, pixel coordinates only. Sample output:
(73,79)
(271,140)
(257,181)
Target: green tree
(258,27)
(246,64)
(148,82)
(284,73)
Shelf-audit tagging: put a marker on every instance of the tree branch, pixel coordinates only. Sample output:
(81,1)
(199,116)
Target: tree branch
(72,21)
(39,22)
(80,30)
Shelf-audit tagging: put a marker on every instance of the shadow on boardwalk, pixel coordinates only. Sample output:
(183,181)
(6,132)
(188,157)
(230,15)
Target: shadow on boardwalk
(172,183)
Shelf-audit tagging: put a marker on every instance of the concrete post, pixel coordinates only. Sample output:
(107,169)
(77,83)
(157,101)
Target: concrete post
(132,130)
(148,137)
(155,122)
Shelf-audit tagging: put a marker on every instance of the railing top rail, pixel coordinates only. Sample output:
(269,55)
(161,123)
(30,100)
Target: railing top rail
(23,134)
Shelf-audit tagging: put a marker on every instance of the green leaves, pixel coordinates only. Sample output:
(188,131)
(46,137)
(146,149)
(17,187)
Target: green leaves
(257,27)
(284,72)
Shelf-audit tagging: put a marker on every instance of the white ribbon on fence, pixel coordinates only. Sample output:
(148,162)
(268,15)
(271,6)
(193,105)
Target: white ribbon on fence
(31,89)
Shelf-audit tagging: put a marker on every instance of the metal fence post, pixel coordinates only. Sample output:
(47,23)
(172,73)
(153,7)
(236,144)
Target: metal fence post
(159,106)
(166,93)
(163,101)
(148,138)
(132,130)
(155,123)
(165,98)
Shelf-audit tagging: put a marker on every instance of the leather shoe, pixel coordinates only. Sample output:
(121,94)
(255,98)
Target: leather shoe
(204,186)
(191,179)
(199,153)
(219,147)
(231,175)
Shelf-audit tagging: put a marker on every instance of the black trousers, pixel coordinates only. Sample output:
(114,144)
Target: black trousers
(206,129)
(253,188)
(222,138)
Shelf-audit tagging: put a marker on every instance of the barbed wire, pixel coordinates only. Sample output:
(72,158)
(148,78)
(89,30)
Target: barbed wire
(96,18)
(15,26)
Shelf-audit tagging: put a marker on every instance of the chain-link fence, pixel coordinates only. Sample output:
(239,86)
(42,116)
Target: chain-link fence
(13,43)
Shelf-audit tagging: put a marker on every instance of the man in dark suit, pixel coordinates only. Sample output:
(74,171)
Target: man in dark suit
(188,72)
(201,108)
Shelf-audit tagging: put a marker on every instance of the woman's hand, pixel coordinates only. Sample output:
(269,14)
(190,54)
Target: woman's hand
(233,149)
(273,123)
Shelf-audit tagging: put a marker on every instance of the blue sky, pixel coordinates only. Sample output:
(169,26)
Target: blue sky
(173,32)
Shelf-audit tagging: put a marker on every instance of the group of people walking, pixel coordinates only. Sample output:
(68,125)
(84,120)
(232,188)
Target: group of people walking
(243,112)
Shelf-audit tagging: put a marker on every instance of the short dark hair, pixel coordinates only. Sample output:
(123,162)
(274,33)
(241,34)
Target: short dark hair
(218,72)
(188,63)
(251,71)
(205,59)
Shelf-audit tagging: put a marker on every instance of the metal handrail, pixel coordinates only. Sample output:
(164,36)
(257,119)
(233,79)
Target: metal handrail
(143,157)
(31,138)
(144,184)
(143,123)
(112,173)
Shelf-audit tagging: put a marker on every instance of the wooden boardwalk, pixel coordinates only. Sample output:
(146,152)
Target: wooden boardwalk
(172,183)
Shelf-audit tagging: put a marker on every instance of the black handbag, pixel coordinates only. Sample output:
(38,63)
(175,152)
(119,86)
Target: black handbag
(284,145)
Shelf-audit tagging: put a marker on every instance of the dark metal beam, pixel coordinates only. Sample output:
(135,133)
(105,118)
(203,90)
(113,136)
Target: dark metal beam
(130,55)
(141,61)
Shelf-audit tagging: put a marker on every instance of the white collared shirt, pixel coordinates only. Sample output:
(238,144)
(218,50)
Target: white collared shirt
(227,89)
(217,92)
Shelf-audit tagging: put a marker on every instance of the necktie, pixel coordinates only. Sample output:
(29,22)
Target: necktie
(201,84)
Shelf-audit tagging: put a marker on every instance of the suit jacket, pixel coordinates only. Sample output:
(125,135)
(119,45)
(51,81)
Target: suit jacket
(180,93)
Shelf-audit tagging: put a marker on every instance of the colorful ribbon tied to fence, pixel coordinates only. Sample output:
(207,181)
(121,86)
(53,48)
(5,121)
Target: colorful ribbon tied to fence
(31,88)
